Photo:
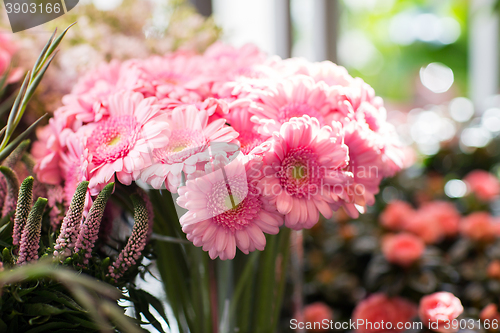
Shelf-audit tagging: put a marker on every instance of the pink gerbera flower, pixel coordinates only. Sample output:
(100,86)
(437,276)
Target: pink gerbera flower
(190,138)
(226,210)
(250,140)
(326,71)
(304,171)
(75,166)
(292,97)
(176,78)
(366,165)
(94,88)
(119,143)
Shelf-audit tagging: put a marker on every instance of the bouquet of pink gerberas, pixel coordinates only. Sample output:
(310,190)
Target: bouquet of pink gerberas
(244,144)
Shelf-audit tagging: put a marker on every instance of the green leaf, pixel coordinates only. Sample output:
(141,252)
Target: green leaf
(142,300)
(59,297)
(38,320)
(51,326)
(7,227)
(13,112)
(16,155)
(55,44)
(31,90)
(3,80)
(13,145)
(24,291)
(41,58)
(6,105)
(40,309)
(81,321)
(3,326)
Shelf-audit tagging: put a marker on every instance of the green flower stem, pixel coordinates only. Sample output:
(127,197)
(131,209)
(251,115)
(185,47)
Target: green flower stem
(284,256)
(172,260)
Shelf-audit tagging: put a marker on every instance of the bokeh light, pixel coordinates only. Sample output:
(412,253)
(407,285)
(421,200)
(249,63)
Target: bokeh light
(437,77)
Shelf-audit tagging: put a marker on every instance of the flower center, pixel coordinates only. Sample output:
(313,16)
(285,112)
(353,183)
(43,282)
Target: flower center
(234,204)
(300,172)
(288,111)
(112,139)
(183,143)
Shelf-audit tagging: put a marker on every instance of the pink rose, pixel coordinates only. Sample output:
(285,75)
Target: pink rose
(485,185)
(445,214)
(402,249)
(396,214)
(490,313)
(437,311)
(378,312)
(424,224)
(478,226)
(316,313)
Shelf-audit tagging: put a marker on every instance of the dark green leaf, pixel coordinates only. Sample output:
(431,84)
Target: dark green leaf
(24,291)
(38,320)
(81,321)
(40,309)
(51,326)
(61,298)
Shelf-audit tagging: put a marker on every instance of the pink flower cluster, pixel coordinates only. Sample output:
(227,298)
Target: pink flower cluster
(432,222)
(248,142)
(381,313)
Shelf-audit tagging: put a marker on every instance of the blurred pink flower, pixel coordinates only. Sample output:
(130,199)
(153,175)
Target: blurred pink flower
(175,78)
(325,71)
(438,310)
(425,225)
(402,249)
(378,310)
(444,214)
(304,171)
(490,313)
(396,214)
(316,313)
(83,104)
(493,270)
(478,226)
(46,152)
(189,144)
(483,184)
(7,51)
(223,62)
(250,140)
(119,143)
(226,210)
(292,97)
(366,165)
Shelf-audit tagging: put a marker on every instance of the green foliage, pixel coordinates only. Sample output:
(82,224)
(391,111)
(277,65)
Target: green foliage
(243,294)
(394,68)
(52,294)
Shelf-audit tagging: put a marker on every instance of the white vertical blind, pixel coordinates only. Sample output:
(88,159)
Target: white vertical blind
(248,21)
(483,52)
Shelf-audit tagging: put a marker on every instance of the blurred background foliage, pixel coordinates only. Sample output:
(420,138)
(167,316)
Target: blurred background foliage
(395,38)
